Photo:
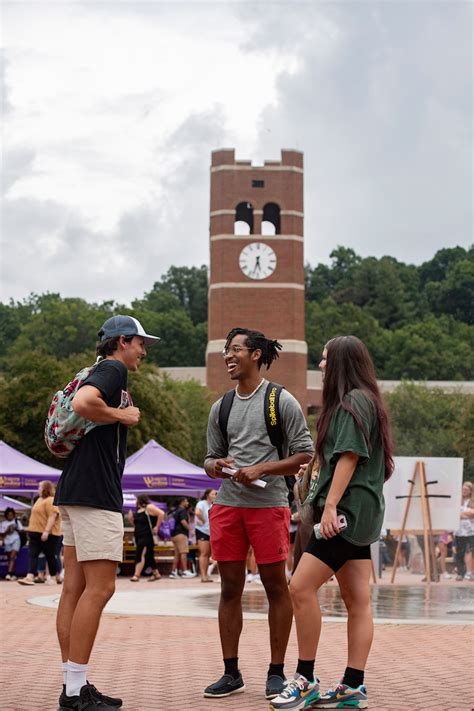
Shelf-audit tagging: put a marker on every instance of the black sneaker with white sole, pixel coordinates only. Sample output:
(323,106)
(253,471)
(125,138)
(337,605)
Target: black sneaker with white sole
(85,701)
(98,695)
(225,686)
(274,686)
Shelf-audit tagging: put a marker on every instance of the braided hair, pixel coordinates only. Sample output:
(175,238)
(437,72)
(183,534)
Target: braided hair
(254,340)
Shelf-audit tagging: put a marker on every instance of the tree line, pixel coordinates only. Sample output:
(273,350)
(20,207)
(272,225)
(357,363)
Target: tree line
(416,321)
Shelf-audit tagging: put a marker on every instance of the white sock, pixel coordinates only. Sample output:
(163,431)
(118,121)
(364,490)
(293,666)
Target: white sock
(75,678)
(64,672)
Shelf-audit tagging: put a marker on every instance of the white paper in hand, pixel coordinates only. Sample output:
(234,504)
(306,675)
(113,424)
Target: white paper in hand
(231,472)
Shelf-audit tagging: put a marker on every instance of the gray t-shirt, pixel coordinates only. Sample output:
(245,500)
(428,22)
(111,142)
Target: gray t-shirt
(250,444)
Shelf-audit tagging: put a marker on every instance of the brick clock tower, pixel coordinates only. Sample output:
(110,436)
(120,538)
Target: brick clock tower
(257,271)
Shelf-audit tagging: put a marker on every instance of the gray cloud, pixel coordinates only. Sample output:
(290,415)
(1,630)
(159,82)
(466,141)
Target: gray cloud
(381,105)
(385,128)
(4,87)
(61,253)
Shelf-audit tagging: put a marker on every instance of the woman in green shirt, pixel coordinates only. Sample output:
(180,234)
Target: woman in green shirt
(354,459)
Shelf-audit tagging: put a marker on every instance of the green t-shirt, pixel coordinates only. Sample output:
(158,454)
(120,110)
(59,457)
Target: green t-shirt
(362,503)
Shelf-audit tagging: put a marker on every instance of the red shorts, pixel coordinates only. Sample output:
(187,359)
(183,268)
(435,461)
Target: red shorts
(234,530)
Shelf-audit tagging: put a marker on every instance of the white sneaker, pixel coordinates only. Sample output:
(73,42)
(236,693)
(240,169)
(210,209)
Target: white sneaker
(174,574)
(469,576)
(210,568)
(249,578)
(447,576)
(188,574)
(26,581)
(8,576)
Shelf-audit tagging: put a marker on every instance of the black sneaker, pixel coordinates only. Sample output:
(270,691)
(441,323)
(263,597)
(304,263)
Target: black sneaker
(100,697)
(226,686)
(274,686)
(86,701)
(104,698)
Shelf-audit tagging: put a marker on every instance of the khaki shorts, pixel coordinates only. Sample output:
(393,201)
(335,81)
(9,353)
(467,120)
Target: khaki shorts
(180,542)
(97,534)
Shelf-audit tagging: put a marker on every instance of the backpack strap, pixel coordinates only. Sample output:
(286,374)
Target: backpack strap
(272,416)
(274,428)
(224,412)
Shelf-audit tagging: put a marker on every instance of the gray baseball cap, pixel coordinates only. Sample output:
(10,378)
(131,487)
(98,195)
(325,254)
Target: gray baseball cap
(125,326)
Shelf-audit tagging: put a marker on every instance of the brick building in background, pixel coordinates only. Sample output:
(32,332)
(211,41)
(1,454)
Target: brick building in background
(256,277)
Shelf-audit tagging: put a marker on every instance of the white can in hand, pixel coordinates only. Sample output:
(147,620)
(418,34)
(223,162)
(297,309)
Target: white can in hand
(341,522)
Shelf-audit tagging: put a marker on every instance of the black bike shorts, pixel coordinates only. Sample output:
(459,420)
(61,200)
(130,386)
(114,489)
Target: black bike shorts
(335,552)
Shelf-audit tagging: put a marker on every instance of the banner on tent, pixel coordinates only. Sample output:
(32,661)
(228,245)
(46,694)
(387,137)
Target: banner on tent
(19,483)
(165,483)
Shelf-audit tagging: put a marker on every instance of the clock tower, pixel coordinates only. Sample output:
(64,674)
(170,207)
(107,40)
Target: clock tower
(256,265)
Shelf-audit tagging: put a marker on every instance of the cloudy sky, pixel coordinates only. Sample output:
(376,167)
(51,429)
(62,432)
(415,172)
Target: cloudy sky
(111,110)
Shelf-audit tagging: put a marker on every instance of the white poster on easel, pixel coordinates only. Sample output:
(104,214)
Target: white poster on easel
(444,485)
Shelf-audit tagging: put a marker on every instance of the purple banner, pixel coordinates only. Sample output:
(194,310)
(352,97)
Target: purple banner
(166,484)
(23,483)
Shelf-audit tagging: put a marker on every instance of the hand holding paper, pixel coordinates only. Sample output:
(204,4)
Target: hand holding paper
(257,482)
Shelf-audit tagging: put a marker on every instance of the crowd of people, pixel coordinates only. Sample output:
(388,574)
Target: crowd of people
(260,449)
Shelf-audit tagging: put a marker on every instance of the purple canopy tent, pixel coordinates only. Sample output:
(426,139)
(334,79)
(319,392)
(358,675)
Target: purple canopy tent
(155,470)
(20,474)
(6,502)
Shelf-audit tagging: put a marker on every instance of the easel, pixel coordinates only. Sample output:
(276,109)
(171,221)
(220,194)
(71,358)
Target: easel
(430,553)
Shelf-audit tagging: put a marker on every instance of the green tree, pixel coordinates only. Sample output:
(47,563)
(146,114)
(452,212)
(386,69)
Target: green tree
(427,422)
(437,269)
(181,344)
(195,402)
(454,295)
(189,285)
(161,415)
(26,390)
(62,327)
(432,349)
(328,319)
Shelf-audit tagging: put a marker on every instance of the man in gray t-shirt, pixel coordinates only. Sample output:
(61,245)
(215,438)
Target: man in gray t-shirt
(245,514)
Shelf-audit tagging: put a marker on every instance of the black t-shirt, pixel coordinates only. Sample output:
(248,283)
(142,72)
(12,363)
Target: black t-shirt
(142,523)
(93,472)
(180,515)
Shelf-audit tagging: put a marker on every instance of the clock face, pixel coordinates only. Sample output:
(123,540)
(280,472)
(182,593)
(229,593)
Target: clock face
(257,260)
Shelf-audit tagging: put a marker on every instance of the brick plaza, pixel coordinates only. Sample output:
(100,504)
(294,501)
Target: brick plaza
(157,663)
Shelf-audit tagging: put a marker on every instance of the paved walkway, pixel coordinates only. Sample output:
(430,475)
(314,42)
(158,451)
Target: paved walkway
(157,662)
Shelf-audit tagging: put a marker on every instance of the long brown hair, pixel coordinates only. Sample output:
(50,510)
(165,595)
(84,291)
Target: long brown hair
(350,367)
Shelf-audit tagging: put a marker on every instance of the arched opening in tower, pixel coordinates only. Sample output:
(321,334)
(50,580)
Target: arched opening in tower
(271,219)
(243,224)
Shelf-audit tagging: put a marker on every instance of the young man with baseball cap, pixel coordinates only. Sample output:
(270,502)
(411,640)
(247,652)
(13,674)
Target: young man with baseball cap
(89,496)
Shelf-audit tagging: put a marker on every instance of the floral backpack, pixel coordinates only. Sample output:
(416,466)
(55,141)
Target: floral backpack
(64,428)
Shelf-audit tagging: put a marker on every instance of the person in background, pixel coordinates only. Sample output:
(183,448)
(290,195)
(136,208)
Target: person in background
(203,536)
(180,540)
(11,540)
(253,575)
(146,522)
(44,531)
(443,540)
(405,554)
(464,536)
(42,565)
(191,561)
